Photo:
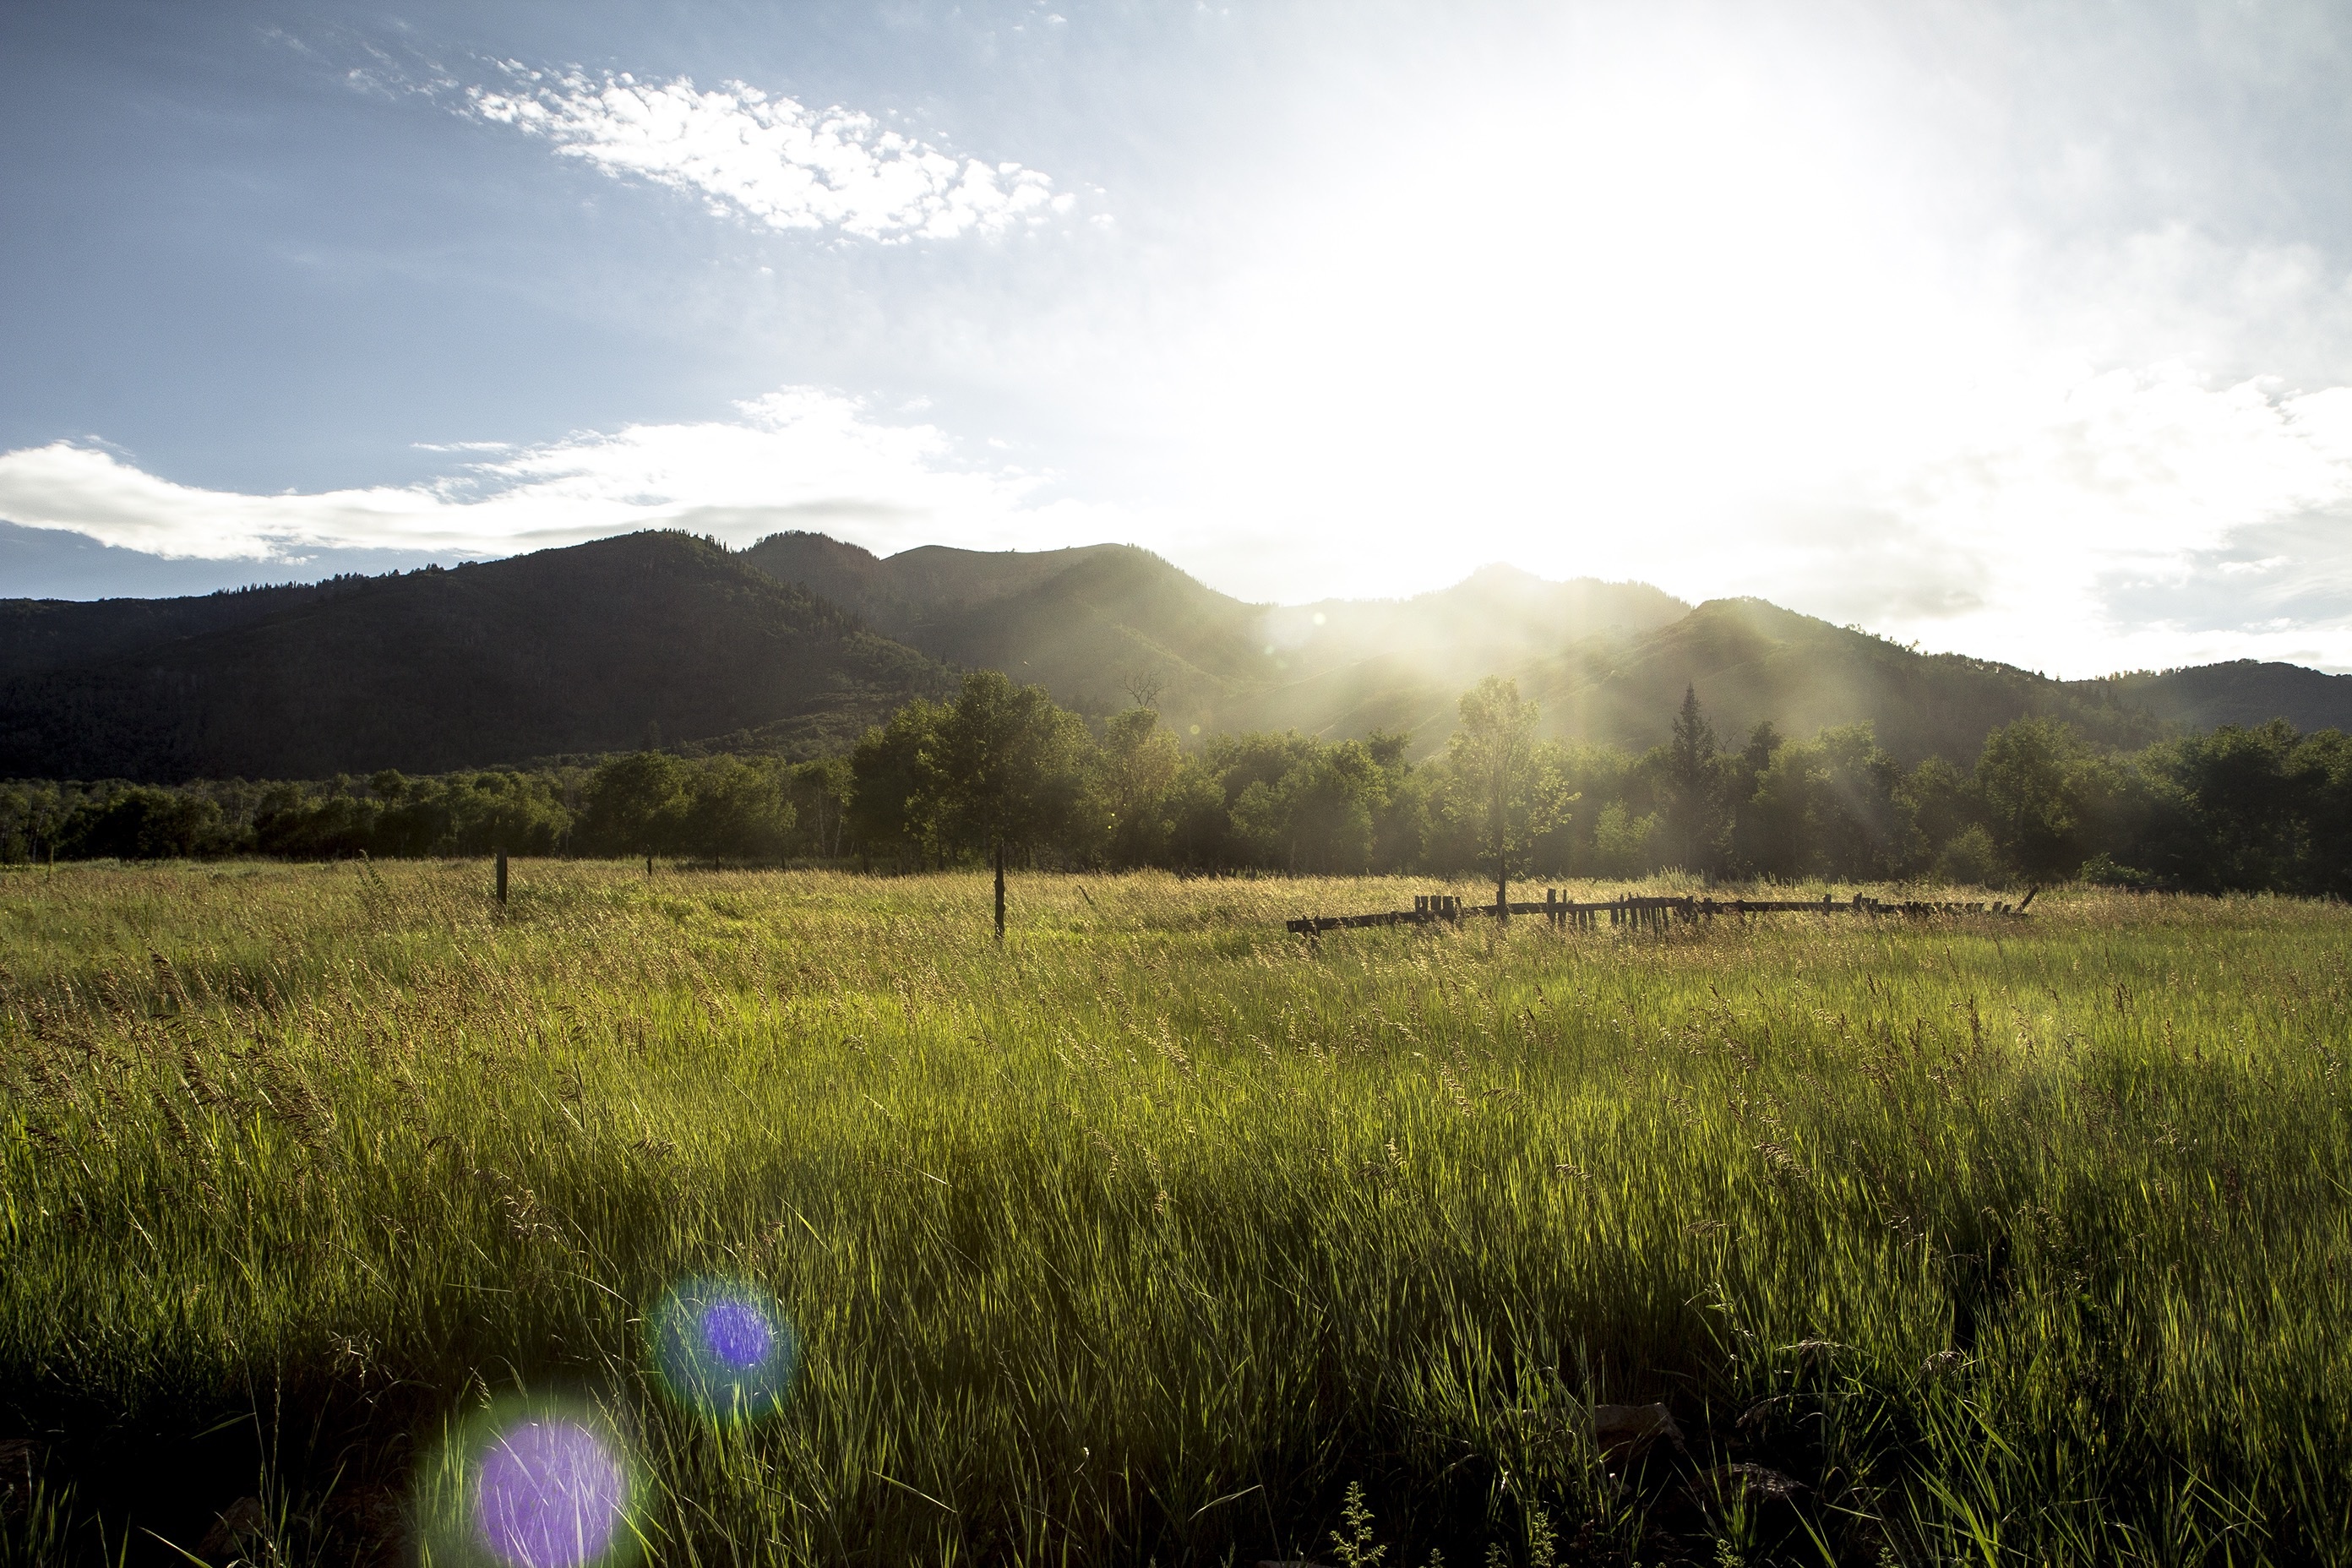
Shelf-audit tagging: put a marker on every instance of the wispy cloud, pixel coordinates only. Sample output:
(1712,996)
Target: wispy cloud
(771,160)
(800,457)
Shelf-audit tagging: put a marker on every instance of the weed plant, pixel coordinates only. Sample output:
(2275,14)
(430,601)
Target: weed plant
(1147,1236)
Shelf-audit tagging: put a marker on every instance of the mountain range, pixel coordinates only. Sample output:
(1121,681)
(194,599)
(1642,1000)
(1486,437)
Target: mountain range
(797,643)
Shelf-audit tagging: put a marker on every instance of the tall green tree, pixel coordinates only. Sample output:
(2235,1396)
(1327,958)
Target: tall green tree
(635,804)
(1400,817)
(737,810)
(1321,815)
(2041,790)
(1492,755)
(1005,771)
(890,812)
(822,789)
(1135,766)
(1696,823)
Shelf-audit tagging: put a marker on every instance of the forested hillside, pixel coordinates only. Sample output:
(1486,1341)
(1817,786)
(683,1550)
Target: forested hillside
(1756,661)
(650,638)
(2206,696)
(794,646)
(1098,625)
(1105,625)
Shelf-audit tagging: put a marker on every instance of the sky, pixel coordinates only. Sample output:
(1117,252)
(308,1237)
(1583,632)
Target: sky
(2018,331)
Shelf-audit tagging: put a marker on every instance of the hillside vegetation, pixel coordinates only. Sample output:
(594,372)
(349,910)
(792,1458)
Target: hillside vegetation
(1092,624)
(793,646)
(1609,661)
(600,647)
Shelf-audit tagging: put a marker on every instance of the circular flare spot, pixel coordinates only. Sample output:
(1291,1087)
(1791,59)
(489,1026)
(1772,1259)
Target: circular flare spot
(725,1347)
(737,1333)
(551,1495)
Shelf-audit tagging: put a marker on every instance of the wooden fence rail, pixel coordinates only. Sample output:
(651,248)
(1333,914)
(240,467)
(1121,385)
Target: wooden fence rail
(1643,913)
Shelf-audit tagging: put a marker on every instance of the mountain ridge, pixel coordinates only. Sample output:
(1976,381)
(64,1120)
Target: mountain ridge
(1609,660)
(597,648)
(798,642)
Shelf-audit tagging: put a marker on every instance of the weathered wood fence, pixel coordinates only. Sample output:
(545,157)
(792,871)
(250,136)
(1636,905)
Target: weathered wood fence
(1642,912)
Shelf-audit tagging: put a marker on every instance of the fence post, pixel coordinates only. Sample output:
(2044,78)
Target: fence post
(999,893)
(502,876)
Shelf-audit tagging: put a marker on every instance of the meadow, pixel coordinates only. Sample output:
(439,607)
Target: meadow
(1147,1237)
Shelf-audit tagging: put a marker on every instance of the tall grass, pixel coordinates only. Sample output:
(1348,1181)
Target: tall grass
(1142,1238)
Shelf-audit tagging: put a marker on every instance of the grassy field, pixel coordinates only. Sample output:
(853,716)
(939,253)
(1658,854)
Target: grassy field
(1143,1238)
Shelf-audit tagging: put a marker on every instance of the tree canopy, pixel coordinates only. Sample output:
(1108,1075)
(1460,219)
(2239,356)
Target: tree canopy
(940,783)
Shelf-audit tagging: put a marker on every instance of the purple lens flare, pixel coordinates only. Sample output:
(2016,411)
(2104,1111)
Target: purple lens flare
(550,1494)
(737,1333)
(724,1347)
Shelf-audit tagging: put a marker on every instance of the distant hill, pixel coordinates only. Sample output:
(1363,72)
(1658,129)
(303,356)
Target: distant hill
(1081,623)
(1086,623)
(594,648)
(1751,661)
(1609,660)
(2206,696)
(799,642)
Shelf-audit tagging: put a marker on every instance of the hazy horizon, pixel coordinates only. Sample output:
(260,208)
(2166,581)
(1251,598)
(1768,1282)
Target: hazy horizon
(2020,332)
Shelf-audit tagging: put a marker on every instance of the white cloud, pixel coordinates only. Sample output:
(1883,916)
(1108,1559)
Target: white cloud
(769,159)
(799,458)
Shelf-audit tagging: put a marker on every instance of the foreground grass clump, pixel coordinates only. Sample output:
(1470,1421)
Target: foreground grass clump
(1144,1237)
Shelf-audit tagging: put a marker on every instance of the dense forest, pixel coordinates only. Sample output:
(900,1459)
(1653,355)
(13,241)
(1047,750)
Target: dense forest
(943,783)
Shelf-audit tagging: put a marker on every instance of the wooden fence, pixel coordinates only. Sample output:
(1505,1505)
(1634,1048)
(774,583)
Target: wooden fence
(1640,912)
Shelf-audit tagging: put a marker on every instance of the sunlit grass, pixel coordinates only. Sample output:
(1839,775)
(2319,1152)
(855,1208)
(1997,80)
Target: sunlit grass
(1142,1237)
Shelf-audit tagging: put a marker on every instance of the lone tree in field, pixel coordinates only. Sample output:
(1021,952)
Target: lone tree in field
(1005,768)
(1493,755)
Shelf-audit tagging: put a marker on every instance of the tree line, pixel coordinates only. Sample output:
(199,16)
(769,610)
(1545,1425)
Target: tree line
(1002,767)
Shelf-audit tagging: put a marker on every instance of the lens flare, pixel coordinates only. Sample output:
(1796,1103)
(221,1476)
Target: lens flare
(550,1494)
(724,1347)
(543,1479)
(736,1333)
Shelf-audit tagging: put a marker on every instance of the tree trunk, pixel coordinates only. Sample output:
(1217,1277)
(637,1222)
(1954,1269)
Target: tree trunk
(1502,873)
(1000,891)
